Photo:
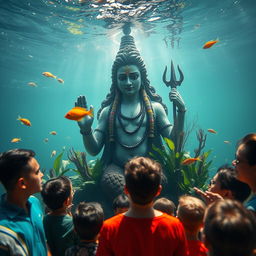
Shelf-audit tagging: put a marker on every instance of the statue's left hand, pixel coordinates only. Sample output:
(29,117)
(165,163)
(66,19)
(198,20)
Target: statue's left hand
(176,98)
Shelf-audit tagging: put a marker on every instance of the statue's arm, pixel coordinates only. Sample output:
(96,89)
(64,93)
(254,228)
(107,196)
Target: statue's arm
(163,124)
(94,140)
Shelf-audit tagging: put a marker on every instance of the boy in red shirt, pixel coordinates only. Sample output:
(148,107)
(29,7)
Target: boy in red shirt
(191,213)
(142,230)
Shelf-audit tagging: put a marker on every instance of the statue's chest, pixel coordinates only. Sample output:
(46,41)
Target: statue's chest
(131,122)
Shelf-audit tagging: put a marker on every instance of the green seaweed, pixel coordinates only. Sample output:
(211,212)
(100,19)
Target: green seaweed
(182,178)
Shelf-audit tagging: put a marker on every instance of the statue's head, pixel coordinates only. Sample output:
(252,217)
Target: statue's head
(128,58)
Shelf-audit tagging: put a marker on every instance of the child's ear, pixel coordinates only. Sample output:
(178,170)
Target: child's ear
(21,183)
(159,190)
(228,194)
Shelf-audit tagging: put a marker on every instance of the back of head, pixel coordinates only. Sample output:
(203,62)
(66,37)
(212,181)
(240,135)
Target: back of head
(88,219)
(230,229)
(56,191)
(227,178)
(13,165)
(142,179)
(249,148)
(165,205)
(191,213)
(120,202)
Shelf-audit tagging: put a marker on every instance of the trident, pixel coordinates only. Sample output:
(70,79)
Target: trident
(173,83)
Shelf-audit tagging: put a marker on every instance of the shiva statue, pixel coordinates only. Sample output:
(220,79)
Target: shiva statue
(131,119)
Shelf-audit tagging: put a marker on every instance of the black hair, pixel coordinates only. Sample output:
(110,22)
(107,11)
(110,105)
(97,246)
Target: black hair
(249,148)
(227,179)
(121,201)
(88,220)
(56,191)
(13,165)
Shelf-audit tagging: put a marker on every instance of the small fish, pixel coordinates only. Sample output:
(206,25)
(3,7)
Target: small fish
(48,74)
(226,141)
(24,121)
(211,131)
(53,153)
(189,161)
(46,140)
(77,113)
(60,80)
(53,133)
(32,84)
(15,140)
(209,44)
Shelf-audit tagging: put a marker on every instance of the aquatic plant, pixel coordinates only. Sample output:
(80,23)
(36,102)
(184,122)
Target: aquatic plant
(85,173)
(182,178)
(59,167)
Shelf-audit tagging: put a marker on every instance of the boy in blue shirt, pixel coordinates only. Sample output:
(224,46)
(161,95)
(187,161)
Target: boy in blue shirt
(21,227)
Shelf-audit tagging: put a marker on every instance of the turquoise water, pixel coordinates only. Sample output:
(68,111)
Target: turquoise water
(78,43)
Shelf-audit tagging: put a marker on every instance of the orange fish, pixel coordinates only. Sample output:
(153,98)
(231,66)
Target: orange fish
(48,74)
(15,140)
(53,133)
(78,113)
(189,161)
(24,121)
(60,80)
(211,131)
(209,44)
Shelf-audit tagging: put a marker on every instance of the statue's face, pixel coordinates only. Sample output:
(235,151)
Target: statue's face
(129,79)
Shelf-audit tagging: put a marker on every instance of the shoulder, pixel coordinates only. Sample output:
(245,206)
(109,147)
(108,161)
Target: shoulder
(168,220)
(104,112)
(113,222)
(158,108)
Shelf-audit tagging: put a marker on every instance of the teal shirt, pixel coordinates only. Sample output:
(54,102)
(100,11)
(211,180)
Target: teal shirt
(59,233)
(251,204)
(29,227)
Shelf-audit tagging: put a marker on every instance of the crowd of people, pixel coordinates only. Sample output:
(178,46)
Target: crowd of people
(218,222)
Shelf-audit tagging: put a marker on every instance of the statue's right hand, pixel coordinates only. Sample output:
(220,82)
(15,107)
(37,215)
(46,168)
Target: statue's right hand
(86,123)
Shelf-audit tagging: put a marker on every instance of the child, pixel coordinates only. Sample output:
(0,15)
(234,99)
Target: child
(88,219)
(229,229)
(121,204)
(142,230)
(225,185)
(57,195)
(165,205)
(21,227)
(191,213)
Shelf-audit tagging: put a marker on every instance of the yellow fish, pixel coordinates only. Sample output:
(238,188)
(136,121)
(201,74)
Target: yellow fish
(189,161)
(53,133)
(211,131)
(48,74)
(78,113)
(24,121)
(209,44)
(60,80)
(15,140)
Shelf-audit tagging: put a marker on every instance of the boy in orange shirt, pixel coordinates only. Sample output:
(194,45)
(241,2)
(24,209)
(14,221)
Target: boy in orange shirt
(191,213)
(142,230)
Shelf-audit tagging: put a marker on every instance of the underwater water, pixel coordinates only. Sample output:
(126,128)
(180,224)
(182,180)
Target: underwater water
(77,41)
